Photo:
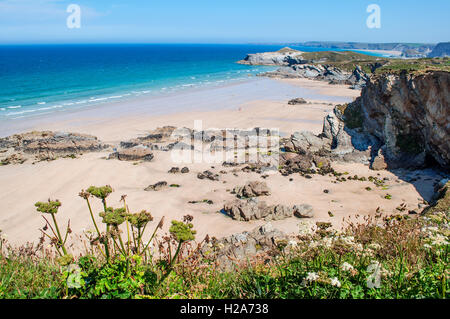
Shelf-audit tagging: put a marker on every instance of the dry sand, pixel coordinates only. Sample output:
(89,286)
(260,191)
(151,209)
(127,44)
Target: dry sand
(22,185)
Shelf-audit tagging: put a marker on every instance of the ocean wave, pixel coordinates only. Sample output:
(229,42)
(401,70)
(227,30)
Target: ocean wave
(14,107)
(21,112)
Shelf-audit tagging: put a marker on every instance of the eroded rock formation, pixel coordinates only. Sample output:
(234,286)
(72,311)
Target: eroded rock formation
(46,145)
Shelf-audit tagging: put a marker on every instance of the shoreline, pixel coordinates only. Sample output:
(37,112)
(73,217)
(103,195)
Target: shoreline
(223,97)
(64,178)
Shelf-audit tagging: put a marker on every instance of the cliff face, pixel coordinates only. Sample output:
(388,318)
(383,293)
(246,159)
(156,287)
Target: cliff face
(399,121)
(409,115)
(280,57)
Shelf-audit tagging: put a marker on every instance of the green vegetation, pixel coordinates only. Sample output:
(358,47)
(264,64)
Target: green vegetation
(351,114)
(442,203)
(338,56)
(287,50)
(346,60)
(379,257)
(415,66)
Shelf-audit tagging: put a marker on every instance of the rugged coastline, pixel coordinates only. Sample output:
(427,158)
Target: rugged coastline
(383,156)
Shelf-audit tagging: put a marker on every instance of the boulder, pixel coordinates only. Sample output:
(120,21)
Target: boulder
(208,175)
(297,101)
(156,187)
(379,162)
(184,170)
(174,170)
(252,189)
(303,211)
(252,209)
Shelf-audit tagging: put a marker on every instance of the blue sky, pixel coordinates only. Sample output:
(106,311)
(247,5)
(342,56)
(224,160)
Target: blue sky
(223,21)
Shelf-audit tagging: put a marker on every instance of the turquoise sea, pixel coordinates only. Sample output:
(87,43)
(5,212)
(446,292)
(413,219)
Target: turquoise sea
(40,79)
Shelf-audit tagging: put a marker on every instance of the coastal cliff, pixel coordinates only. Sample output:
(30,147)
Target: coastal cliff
(343,67)
(409,113)
(280,57)
(399,121)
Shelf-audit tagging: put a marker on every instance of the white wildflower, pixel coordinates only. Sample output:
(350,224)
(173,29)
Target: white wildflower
(292,244)
(438,240)
(327,242)
(306,228)
(312,276)
(347,267)
(349,240)
(335,282)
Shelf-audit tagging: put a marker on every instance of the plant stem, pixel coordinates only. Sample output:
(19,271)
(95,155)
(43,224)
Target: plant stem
(107,234)
(92,216)
(59,234)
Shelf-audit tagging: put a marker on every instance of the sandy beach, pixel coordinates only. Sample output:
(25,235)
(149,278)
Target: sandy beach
(257,103)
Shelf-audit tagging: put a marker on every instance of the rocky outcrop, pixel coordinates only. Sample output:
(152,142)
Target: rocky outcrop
(208,175)
(400,120)
(280,57)
(310,71)
(162,138)
(133,154)
(237,248)
(303,211)
(441,203)
(358,79)
(252,209)
(157,186)
(297,101)
(252,189)
(321,72)
(47,145)
(409,115)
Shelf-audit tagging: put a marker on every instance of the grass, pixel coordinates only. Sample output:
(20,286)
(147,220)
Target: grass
(415,66)
(378,257)
(348,60)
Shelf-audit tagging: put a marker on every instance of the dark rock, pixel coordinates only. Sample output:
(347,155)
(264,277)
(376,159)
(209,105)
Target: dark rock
(132,154)
(303,211)
(252,189)
(184,170)
(253,209)
(46,145)
(156,187)
(208,175)
(297,101)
